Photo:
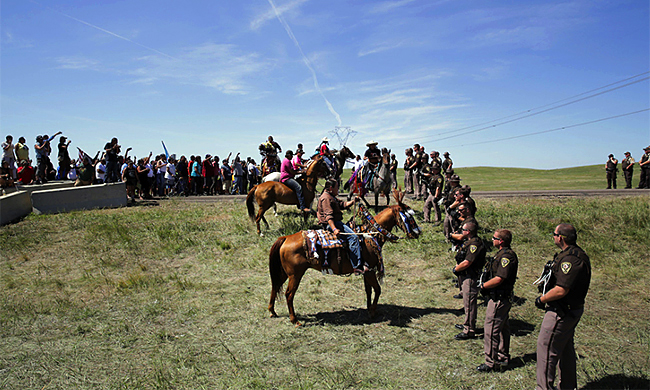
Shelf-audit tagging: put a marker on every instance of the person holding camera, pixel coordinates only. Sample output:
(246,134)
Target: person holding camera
(112,150)
(563,298)
(501,276)
(468,272)
(611,167)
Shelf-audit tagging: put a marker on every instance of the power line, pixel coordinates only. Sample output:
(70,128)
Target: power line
(546,105)
(540,112)
(540,107)
(552,130)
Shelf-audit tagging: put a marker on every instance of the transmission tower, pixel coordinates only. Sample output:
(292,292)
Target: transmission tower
(343,134)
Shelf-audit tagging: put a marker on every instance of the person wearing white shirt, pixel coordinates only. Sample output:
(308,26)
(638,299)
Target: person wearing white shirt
(100,171)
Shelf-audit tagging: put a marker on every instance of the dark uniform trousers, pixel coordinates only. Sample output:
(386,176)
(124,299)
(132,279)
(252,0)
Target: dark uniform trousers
(611,179)
(628,177)
(496,339)
(555,349)
(470,294)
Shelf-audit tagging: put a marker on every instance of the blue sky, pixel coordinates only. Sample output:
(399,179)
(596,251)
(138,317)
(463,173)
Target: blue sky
(220,76)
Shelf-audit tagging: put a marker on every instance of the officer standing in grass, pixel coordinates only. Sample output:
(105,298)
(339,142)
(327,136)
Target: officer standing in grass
(563,299)
(468,272)
(498,288)
(611,167)
(628,169)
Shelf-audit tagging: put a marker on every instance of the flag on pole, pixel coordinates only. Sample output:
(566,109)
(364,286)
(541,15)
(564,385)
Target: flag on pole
(83,155)
(165,148)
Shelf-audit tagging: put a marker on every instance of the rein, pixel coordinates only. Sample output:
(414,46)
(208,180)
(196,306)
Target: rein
(370,220)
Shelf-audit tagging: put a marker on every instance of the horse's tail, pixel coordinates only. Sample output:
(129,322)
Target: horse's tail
(278,276)
(249,203)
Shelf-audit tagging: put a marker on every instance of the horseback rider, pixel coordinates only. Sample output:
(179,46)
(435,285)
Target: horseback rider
(325,152)
(372,158)
(269,151)
(287,174)
(329,214)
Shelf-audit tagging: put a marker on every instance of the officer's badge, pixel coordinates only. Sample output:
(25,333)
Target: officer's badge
(566,267)
(439,180)
(504,262)
(472,248)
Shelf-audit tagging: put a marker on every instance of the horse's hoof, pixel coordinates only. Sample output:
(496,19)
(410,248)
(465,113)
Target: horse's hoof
(273,315)
(261,234)
(297,324)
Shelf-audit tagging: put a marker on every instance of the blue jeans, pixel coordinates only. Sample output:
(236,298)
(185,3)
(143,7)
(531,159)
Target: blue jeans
(353,243)
(295,186)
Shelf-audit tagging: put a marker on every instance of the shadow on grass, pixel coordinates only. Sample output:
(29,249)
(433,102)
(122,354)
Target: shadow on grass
(143,203)
(395,315)
(618,381)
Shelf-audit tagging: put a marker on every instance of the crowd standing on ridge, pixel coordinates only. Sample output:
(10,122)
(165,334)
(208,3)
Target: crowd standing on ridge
(563,285)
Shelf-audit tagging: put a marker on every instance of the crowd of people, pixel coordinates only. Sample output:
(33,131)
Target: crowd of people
(161,175)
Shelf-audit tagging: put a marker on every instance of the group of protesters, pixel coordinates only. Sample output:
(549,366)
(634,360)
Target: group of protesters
(162,175)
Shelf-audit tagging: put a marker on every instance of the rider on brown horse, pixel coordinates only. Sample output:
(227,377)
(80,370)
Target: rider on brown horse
(287,174)
(329,214)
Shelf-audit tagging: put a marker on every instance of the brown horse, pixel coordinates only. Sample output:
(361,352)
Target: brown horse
(270,192)
(288,260)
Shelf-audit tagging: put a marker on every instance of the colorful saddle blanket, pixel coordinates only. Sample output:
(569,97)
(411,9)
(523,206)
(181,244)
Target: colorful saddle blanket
(319,239)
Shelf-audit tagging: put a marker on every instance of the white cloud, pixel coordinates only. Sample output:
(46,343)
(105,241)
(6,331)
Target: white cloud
(270,14)
(383,46)
(77,63)
(387,6)
(219,66)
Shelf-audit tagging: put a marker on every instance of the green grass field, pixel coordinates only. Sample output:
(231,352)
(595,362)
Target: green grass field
(509,179)
(175,295)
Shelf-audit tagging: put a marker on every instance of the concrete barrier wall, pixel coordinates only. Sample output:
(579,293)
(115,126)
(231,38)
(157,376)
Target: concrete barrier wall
(79,198)
(14,206)
(53,185)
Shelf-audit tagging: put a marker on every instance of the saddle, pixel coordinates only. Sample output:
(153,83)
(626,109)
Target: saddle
(323,247)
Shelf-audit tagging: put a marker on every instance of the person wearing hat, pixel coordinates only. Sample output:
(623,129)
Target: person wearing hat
(611,167)
(207,170)
(454,183)
(287,174)
(408,173)
(415,169)
(628,169)
(448,163)
(644,164)
(372,156)
(325,152)
(431,173)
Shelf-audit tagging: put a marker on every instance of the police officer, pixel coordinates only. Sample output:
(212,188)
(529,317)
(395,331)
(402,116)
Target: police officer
(563,299)
(644,164)
(611,169)
(435,183)
(498,286)
(454,183)
(628,169)
(468,272)
(415,168)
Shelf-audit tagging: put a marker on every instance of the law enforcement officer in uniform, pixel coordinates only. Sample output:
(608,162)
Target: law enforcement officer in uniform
(611,167)
(434,186)
(468,272)
(415,167)
(408,173)
(564,292)
(497,286)
(448,163)
(644,164)
(628,169)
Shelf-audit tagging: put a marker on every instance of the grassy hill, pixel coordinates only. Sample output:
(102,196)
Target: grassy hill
(502,179)
(175,296)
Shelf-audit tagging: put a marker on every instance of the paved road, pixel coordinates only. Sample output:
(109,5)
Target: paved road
(475,194)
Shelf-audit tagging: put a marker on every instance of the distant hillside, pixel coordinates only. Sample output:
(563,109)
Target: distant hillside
(503,179)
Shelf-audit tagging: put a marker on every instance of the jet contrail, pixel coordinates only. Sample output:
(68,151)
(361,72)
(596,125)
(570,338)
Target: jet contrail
(306,61)
(107,32)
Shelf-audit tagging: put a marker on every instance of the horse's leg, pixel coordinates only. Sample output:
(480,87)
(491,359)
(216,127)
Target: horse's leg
(294,282)
(376,202)
(260,217)
(274,294)
(371,283)
(275,212)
